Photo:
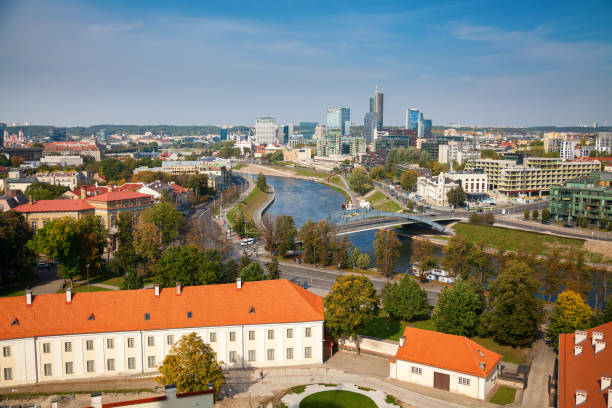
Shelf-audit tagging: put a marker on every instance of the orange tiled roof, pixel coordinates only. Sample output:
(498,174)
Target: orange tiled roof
(274,301)
(455,353)
(584,371)
(118,195)
(54,206)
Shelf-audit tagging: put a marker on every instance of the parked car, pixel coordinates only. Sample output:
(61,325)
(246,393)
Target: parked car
(43,265)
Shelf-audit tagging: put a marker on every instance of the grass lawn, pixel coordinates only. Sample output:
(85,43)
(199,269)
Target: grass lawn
(341,191)
(238,166)
(513,240)
(377,197)
(83,289)
(424,324)
(337,399)
(509,353)
(384,327)
(114,281)
(337,181)
(251,203)
(503,396)
(310,172)
(388,206)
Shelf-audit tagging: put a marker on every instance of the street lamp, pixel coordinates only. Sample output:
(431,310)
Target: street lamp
(87,266)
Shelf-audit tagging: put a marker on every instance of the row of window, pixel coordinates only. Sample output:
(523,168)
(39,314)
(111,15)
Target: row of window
(307,333)
(270,354)
(419,371)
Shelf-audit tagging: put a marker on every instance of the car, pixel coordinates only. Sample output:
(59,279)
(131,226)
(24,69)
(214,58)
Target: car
(566,225)
(43,265)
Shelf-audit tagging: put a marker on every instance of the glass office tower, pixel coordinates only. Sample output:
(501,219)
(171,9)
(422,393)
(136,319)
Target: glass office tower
(336,118)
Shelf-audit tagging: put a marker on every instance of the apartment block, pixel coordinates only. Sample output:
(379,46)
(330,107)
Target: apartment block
(589,198)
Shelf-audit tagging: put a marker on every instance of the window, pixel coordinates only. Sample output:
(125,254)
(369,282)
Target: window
(232,336)
(270,354)
(8,374)
(132,363)
(48,370)
(270,334)
(68,346)
(89,345)
(232,357)
(69,368)
(6,351)
(307,352)
(130,342)
(34,225)
(46,348)
(251,355)
(289,333)
(170,340)
(151,361)
(110,343)
(147,316)
(91,366)
(151,341)
(290,353)
(213,337)
(464,381)
(110,364)
(308,332)
(417,370)
(251,334)
(189,315)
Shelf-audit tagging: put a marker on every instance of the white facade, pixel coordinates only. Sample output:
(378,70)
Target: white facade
(265,131)
(433,190)
(567,149)
(70,180)
(604,142)
(62,160)
(472,183)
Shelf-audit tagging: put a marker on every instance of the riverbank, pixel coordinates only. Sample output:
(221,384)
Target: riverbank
(283,171)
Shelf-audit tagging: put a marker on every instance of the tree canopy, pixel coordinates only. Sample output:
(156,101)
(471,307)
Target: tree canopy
(456,196)
(17,258)
(386,248)
(189,265)
(166,218)
(405,300)
(261,182)
(44,191)
(569,314)
(360,180)
(458,310)
(252,272)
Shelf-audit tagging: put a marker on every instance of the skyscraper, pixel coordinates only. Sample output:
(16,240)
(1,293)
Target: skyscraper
(372,104)
(222,134)
(369,126)
(379,105)
(57,134)
(336,118)
(265,130)
(428,127)
(414,120)
(307,129)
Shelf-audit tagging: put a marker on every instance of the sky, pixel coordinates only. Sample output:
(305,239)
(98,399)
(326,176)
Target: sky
(480,62)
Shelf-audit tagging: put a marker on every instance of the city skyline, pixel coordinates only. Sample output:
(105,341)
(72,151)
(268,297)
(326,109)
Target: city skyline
(476,63)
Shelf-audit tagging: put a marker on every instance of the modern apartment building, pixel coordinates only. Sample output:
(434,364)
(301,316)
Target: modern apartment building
(331,143)
(567,149)
(552,141)
(265,130)
(59,337)
(604,142)
(588,197)
(336,118)
(369,126)
(535,176)
(449,152)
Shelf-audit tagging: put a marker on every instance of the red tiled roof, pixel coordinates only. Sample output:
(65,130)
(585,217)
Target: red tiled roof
(118,195)
(274,301)
(455,353)
(584,371)
(178,189)
(54,206)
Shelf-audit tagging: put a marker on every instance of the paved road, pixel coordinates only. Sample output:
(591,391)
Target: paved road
(542,367)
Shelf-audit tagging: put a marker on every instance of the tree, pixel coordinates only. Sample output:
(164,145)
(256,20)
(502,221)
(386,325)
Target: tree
(569,314)
(386,248)
(273,271)
(409,179)
(405,300)
(458,310)
(360,180)
(535,214)
(199,184)
(456,196)
(317,242)
(17,258)
(341,250)
(166,218)
(261,182)
(607,312)
(44,191)
(378,172)
(112,169)
(148,243)
(244,262)
(252,272)
(363,260)
(526,214)
(553,273)
(423,253)
(191,365)
(92,239)
(457,256)
(189,265)
(350,305)
(546,215)
(515,312)
(576,272)
(230,272)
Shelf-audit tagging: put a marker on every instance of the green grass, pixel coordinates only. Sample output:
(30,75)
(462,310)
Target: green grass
(384,327)
(391,400)
(114,281)
(83,289)
(337,399)
(388,206)
(428,324)
(513,240)
(337,181)
(298,389)
(377,197)
(239,166)
(341,191)
(509,353)
(503,396)
(310,172)
(11,292)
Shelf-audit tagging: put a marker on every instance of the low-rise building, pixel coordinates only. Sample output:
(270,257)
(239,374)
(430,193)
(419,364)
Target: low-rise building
(70,179)
(297,154)
(37,214)
(218,176)
(585,360)
(589,198)
(62,160)
(60,337)
(433,190)
(447,362)
(12,199)
(109,205)
(81,148)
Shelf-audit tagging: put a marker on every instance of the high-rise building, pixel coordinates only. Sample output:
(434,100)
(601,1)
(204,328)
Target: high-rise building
(57,134)
(307,129)
(335,118)
(372,104)
(379,97)
(265,130)
(369,126)
(223,134)
(428,127)
(414,120)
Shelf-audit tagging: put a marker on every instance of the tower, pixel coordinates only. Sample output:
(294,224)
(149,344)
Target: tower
(379,105)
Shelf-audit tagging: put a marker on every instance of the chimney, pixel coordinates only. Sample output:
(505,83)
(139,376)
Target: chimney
(596,335)
(238,283)
(156,290)
(577,350)
(482,366)
(579,336)
(178,288)
(29,297)
(96,400)
(581,396)
(83,193)
(609,397)
(599,346)
(170,391)
(54,404)
(402,340)
(605,382)
(110,188)
(69,295)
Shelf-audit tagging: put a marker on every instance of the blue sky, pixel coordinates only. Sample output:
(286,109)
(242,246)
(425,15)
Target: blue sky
(519,63)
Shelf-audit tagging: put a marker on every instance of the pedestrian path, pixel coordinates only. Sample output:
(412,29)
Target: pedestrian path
(379,398)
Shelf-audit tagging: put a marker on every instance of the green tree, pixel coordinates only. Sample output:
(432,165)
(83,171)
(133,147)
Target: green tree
(569,314)
(273,271)
(378,172)
(363,261)
(166,218)
(535,214)
(360,180)
(607,312)
(458,311)
(199,184)
(44,191)
(409,179)
(553,273)
(189,265)
(405,300)
(457,256)
(423,253)
(92,240)
(230,272)
(191,365)
(261,182)
(386,248)
(526,214)
(17,258)
(148,243)
(317,242)
(350,305)
(112,169)
(244,262)
(252,272)
(456,196)
(515,312)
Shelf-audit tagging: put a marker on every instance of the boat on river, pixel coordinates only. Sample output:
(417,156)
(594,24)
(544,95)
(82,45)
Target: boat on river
(434,274)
